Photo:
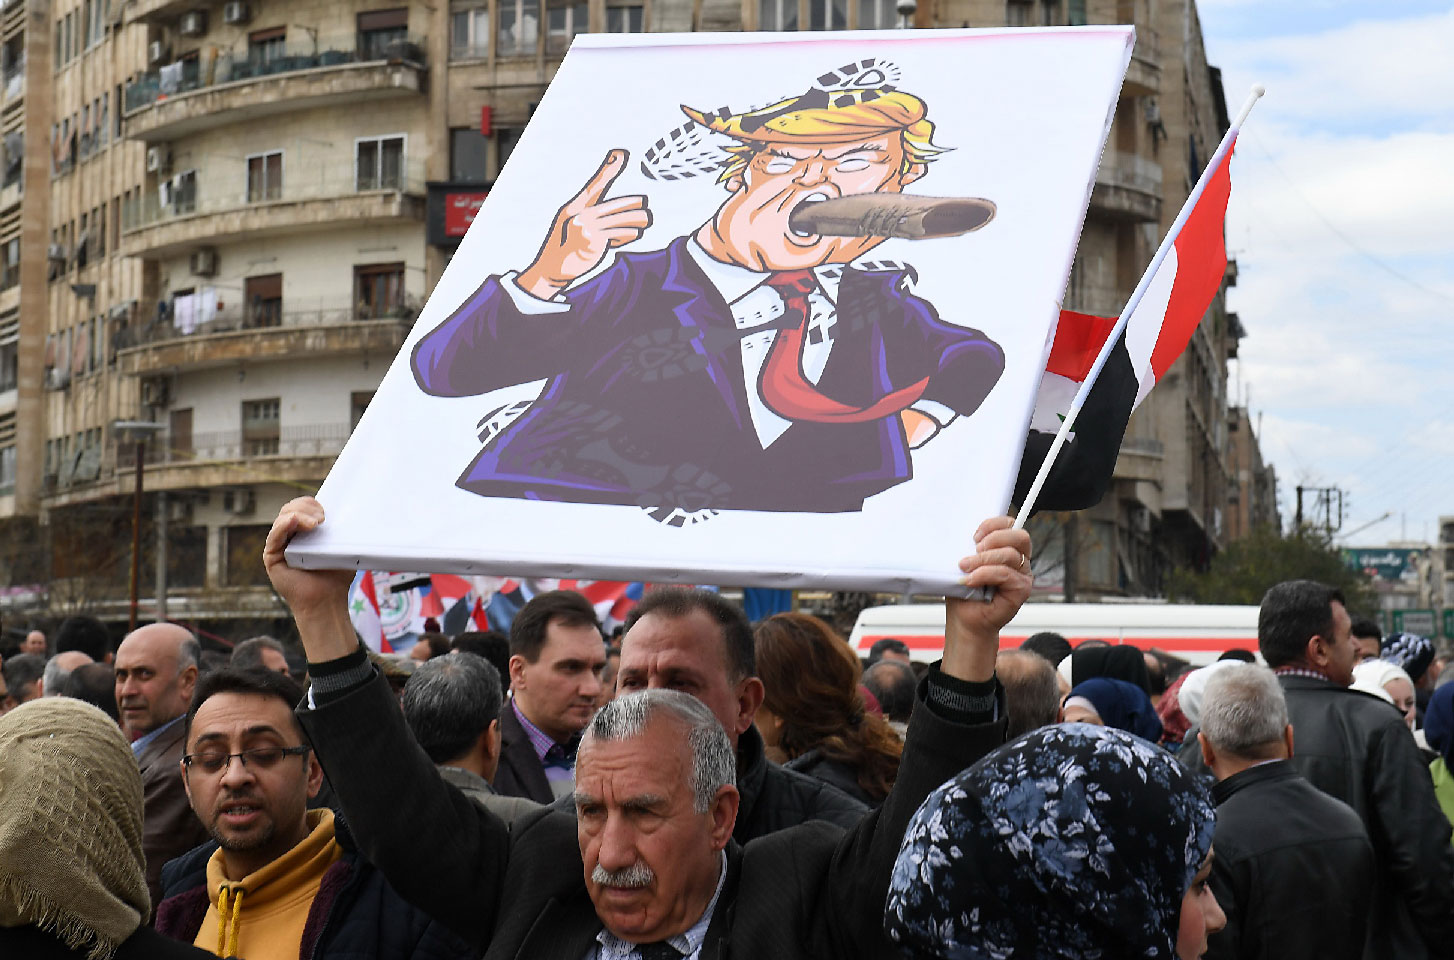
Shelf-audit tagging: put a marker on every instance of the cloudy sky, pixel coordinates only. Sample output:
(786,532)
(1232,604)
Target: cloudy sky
(1342,224)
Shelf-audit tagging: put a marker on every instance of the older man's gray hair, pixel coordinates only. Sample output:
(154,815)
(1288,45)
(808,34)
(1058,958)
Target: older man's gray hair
(1244,710)
(58,670)
(449,701)
(714,765)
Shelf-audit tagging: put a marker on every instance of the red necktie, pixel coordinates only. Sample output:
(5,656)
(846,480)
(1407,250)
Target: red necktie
(784,388)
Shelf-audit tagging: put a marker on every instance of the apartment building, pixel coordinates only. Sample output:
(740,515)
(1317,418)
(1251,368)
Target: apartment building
(225,215)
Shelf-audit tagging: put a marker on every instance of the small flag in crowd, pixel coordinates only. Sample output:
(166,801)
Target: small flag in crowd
(363,610)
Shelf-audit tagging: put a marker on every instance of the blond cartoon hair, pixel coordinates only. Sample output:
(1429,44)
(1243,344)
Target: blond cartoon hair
(820,118)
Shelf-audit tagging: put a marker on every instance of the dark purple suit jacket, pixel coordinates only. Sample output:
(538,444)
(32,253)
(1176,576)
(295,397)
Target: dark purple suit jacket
(646,403)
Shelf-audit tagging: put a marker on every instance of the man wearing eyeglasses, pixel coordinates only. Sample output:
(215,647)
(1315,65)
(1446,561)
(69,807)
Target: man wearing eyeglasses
(277,880)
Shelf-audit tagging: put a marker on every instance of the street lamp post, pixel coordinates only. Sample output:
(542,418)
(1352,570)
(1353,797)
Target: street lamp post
(136,431)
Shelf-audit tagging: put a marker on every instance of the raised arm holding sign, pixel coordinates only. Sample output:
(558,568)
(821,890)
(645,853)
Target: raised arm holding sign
(552,889)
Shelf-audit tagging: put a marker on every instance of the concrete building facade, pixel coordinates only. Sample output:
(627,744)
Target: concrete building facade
(225,216)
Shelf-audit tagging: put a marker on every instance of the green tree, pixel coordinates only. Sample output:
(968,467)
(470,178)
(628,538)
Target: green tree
(1244,571)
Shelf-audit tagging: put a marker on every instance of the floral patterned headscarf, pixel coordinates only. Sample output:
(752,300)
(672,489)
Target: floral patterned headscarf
(1072,841)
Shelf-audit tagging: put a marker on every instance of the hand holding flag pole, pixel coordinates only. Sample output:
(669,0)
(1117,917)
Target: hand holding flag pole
(1167,244)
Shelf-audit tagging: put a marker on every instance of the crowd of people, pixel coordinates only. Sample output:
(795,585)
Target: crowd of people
(700,786)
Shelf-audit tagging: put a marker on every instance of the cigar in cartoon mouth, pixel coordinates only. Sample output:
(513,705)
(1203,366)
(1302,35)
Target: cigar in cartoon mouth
(889,215)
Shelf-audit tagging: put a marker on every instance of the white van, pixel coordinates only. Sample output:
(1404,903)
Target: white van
(1193,632)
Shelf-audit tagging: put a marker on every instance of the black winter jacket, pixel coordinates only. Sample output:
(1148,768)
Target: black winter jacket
(356,915)
(1355,747)
(32,943)
(1277,838)
(775,798)
(818,765)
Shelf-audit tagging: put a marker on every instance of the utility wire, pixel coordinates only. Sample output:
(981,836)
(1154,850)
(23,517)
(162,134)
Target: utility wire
(1352,244)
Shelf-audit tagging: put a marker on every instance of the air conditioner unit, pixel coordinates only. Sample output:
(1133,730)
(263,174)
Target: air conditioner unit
(57,252)
(158,160)
(155,393)
(204,262)
(238,502)
(237,12)
(193,24)
(156,52)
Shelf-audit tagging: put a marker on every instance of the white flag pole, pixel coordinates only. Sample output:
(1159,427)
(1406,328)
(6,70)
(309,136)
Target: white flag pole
(1167,243)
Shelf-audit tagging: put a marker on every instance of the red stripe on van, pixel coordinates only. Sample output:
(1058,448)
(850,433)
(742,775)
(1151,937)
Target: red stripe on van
(1009,641)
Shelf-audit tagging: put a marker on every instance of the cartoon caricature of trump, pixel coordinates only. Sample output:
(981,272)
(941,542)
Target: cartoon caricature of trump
(755,364)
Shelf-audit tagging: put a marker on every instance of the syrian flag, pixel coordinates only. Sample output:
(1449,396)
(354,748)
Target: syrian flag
(363,610)
(613,599)
(1169,302)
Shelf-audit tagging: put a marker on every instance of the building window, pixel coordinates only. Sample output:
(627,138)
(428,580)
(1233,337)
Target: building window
(357,404)
(777,14)
(1019,13)
(519,28)
(263,300)
(265,177)
(378,290)
(187,556)
(827,15)
(10,264)
(7,469)
(382,32)
(260,427)
(469,34)
(877,15)
(380,163)
(565,20)
(9,366)
(626,18)
(179,434)
(180,193)
(266,47)
(245,555)
(468,156)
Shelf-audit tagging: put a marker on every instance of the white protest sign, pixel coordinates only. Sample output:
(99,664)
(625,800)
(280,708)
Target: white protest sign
(762,309)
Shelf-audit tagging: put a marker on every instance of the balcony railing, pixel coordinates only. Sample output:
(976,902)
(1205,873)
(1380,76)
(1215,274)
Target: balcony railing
(301,182)
(311,440)
(1143,445)
(1129,170)
(185,77)
(237,319)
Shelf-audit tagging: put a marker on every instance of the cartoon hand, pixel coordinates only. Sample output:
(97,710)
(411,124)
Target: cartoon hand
(919,428)
(584,230)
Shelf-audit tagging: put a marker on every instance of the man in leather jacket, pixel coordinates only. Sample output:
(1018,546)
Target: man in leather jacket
(1356,748)
(696,642)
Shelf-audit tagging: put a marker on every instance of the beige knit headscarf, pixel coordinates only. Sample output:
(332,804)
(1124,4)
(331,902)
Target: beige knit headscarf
(70,826)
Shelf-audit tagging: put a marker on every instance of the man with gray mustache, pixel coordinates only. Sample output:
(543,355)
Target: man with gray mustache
(648,868)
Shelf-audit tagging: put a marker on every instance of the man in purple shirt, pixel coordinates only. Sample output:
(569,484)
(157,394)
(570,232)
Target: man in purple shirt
(557,654)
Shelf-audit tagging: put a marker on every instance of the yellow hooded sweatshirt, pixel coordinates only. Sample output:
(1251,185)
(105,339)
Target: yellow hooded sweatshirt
(262,916)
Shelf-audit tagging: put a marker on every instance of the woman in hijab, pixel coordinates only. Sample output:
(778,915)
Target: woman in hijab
(1073,841)
(72,874)
(1114,703)
(1103,660)
(1416,655)
(1390,682)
